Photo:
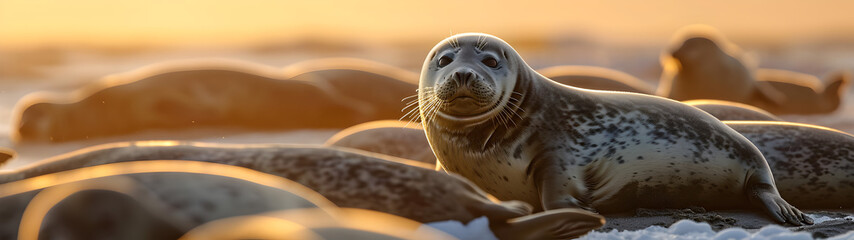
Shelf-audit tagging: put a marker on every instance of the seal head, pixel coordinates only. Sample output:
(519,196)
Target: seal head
(467,85)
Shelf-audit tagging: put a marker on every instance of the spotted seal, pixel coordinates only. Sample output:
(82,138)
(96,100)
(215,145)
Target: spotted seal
(348,178)
(813,166)
(520,136)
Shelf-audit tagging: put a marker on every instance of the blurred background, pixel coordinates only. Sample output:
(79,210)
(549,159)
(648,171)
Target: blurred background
(61,45)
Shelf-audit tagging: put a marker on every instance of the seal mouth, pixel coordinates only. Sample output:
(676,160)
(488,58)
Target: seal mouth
(461,98)
(466,106)
(477,110)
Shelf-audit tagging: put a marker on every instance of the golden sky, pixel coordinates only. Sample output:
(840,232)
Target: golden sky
(29,23)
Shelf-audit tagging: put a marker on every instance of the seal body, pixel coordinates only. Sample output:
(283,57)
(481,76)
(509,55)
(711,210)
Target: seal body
(725,110)
(596,78)
(555,146)
(813,166)
(804,94)
(205,94)
(389,137)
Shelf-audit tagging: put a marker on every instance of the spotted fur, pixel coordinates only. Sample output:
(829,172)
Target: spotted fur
(813,166)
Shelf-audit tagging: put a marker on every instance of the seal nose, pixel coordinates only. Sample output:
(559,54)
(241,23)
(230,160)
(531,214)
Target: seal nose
(463,77)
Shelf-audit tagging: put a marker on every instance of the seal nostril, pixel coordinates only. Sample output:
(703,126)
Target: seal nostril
(467,75)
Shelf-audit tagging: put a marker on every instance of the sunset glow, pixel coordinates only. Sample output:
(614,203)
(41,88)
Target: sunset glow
(25,23)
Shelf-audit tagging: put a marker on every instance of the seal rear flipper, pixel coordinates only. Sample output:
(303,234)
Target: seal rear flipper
(837,87)
(766,197)
(552,224)
(497,212)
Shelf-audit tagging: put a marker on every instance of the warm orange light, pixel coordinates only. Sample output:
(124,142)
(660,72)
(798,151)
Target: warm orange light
(205,23)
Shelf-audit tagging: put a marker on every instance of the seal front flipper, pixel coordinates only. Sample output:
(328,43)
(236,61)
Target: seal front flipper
(766,196)
(551,224)
(556,186)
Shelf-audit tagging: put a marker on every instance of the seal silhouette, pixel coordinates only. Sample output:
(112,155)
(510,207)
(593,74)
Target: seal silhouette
(518,135)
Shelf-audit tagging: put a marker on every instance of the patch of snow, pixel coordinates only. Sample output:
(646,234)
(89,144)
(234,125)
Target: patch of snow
(477,229)
(820,219)
(690,230)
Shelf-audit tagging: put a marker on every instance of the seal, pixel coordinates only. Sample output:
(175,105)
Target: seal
(132,199)
(725,110)
(596,78)
(389,137)
(812,165)
(520,136)
(348,178)
(219,94)
(706,66)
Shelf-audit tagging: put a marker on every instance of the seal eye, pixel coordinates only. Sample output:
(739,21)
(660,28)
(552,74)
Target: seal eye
(444,61)
(490,62)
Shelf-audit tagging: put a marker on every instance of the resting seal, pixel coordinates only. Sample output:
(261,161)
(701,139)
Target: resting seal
(596,78)
(725,110)
(205,94)
(389,137)
(348,178)
(813,166)
(518,135)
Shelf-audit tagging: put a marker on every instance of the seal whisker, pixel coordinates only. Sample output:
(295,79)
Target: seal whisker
(509,117)
(411,96)
(432,104)
(412,114)
(410,104)
(515,109)
(502,119)
(436,107)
